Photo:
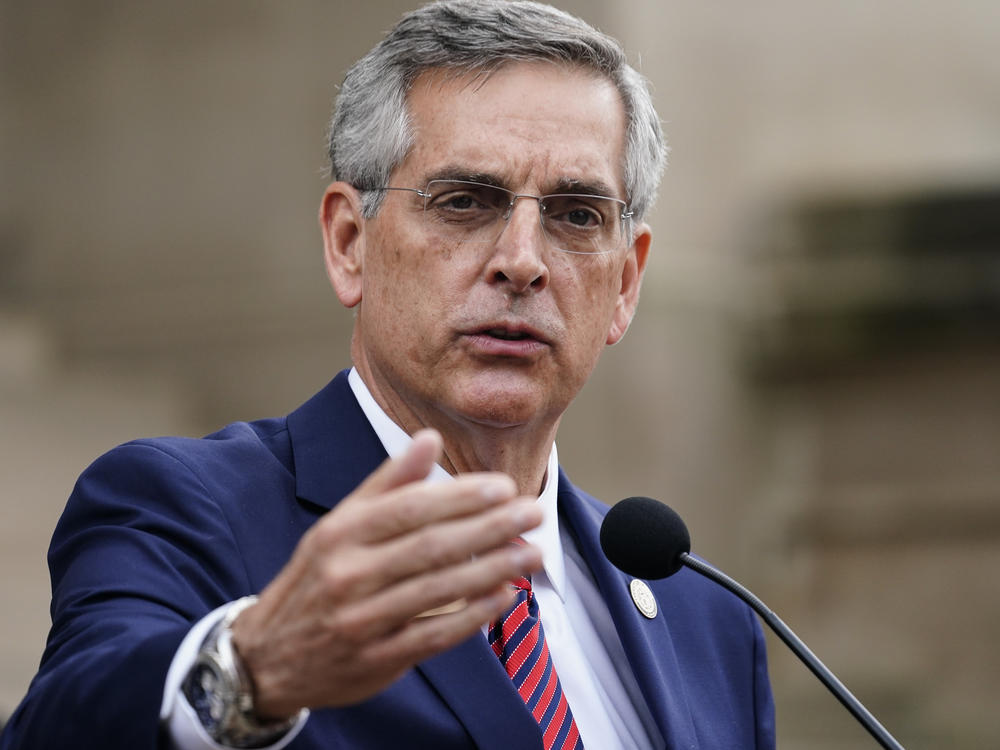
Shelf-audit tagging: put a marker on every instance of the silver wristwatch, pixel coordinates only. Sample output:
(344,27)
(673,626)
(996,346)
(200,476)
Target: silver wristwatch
(220,691)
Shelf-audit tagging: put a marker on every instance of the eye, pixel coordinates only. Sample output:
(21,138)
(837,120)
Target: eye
(582,217)
(454,200)
(458,200)
(462,197)
(575,212)
(468,205)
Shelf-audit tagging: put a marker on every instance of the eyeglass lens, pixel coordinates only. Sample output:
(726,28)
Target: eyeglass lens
(475,212)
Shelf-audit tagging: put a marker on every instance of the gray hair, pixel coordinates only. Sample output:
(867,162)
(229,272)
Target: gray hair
(370,131)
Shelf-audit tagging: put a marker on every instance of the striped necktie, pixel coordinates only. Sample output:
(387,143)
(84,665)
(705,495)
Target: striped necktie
(519,642)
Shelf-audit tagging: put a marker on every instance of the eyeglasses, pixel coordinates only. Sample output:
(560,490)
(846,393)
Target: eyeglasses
(474,212)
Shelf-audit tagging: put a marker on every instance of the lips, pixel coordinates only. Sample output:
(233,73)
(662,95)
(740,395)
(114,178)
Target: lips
(507,339)
(506,335)
(509,330)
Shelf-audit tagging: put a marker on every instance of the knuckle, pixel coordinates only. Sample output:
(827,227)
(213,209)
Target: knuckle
(328,532)
(454,587)
(382,656)
(349,629)
(407,511)
(437,639)
(339,581)
(437,547)
(437,552)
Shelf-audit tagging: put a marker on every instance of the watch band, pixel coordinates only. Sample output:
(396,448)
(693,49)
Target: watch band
(220,690)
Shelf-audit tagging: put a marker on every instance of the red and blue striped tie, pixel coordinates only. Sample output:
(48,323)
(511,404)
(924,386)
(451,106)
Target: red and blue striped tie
(519,642)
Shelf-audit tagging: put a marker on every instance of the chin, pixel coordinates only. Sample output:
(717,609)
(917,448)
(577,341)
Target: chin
(499,418)
(504,405)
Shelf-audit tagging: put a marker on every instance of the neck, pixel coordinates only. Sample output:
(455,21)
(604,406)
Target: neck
(520,451)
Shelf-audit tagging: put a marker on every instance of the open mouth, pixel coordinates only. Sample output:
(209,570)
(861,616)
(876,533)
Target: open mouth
(501,333)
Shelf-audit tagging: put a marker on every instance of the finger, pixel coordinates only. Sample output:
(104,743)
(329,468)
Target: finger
(413,465)
(429,636)
(371,666)
(439,546)
(392,608)
(371,568)
(422,504)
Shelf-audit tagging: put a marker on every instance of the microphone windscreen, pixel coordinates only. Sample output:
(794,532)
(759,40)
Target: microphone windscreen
(644,538)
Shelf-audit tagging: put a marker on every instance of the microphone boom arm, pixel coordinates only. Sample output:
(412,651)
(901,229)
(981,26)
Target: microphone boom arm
(802,651)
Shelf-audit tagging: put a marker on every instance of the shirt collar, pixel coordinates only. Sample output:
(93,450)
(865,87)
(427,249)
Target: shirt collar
(545,536)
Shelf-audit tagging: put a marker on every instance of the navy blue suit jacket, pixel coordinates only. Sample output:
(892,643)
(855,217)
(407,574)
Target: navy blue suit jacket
(159,532)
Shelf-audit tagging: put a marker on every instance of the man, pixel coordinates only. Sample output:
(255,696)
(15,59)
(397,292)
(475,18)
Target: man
(492,165)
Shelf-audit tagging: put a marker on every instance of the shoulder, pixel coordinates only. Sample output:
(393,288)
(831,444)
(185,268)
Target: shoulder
(222,508)
(182,476)
(234,448)
(240,452)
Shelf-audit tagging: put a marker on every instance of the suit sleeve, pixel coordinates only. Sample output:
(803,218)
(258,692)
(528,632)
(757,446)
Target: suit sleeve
(141,552)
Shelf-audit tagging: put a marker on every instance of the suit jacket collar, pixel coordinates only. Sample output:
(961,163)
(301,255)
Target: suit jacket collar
(333,446)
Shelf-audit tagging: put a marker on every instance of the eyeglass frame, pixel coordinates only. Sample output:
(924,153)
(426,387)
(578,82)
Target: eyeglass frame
(626,214)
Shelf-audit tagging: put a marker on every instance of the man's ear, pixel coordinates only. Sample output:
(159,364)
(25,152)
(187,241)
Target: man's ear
(342,223)
(631,280)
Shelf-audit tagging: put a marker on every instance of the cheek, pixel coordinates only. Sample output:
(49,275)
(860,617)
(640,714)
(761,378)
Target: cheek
(595,295)
(410,293)
(586,333)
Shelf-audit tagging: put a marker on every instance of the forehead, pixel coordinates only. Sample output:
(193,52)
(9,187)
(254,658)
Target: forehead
(531,126)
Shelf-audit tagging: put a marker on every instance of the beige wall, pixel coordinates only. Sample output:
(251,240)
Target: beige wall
(160,273)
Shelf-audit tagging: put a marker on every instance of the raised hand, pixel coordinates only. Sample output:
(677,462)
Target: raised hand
(343,618)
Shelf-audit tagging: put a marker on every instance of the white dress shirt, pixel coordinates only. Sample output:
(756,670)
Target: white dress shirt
(602,692)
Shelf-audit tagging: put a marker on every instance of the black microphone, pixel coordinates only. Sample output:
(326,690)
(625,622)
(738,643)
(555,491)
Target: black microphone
(647,539)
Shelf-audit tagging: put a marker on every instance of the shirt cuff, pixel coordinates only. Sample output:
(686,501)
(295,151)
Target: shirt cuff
(183,728)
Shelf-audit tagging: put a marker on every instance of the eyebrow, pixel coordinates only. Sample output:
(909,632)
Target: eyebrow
(582,187)
(563,185)
(465,175)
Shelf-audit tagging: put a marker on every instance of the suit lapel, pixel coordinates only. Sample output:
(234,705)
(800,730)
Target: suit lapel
(333,445)
(647,643)
(470,679)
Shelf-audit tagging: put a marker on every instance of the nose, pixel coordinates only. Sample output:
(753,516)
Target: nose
(519,256)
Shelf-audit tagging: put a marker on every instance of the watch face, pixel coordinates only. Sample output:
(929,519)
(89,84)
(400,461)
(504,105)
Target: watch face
(202,690)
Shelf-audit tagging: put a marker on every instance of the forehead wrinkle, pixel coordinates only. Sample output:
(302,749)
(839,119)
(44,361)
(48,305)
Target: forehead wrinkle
(519,167)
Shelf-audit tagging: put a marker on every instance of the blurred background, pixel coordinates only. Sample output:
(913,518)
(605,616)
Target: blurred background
(813,379)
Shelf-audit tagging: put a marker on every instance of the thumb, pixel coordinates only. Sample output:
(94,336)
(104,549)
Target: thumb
(412,466)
